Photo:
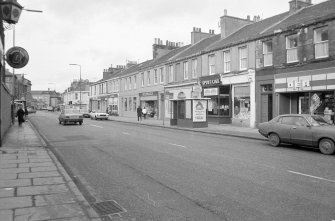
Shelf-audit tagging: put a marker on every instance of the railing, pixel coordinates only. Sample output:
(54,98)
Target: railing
(321,49)
(292,55)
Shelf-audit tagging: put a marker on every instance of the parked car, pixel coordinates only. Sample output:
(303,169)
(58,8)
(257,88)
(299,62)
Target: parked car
(70,116)
(50,108)
(31,110)
(98,115)
(301,129)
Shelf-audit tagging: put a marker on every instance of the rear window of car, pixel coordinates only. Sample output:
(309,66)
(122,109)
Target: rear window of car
(71,111)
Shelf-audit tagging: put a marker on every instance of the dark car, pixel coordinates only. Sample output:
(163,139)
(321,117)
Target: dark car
(301,129)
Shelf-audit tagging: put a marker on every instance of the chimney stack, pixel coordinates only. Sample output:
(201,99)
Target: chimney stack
(197,35)
(295,5)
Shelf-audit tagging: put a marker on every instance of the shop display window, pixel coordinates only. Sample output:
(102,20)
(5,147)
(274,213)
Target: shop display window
(220,104)
(242,102)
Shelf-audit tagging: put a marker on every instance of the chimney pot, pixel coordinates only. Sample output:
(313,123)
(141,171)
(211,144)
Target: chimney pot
(225,12)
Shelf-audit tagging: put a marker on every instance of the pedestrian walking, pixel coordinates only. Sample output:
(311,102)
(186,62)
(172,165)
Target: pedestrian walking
(144,112)
(20,115)
(139,113)
(25,114)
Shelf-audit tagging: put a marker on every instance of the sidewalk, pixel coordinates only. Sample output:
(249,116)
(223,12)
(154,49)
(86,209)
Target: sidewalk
(219,129)
(34,185)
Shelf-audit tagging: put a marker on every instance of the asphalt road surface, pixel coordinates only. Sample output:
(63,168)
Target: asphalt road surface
(165,174)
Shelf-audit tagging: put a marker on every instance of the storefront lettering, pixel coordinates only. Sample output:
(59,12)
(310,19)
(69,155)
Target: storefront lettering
(210,82)
(298,84)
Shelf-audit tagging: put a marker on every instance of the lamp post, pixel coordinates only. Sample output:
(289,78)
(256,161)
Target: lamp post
(79,83)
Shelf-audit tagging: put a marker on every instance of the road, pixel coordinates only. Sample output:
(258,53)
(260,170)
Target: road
(165,174)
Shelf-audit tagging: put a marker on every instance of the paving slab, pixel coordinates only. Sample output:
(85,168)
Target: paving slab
(43,169)
(54,199)
(9,165)
(6,215)
(48,181)
(13,161)
(39,160)
(13,170)
(39,174)
(6,192)
(15,183)
(48,212)
(15,202)
(8,176)
(45,189)
(43,164)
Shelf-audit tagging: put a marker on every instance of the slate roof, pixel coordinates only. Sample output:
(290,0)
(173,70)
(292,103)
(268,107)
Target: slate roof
(248,32)
(306,16)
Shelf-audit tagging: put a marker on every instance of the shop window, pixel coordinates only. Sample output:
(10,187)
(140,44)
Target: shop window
(321,42)
(241,102)
(134,103)
(267,53)
(243,58)
(226,61)
(292,48)
(219,103)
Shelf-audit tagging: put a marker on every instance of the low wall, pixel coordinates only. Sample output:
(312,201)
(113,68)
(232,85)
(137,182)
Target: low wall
(5,110)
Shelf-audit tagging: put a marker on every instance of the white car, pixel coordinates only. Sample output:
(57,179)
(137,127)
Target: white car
(98,115)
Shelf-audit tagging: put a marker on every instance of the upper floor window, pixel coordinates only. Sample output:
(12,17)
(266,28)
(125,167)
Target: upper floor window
(243,58)
(211,64)
(155,77)
(292,48)
(185,70)
(267,53)
(125,84)
(129,83)
(134,82)
(148,77)
(142,79)
(161,75)
(226,61)
(321,42)
(170,73)
(194,68)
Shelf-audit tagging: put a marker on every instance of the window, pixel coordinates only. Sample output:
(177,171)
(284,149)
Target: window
(194,68)
(76,96)
(226,61)
(300,121)
(155,77)
(287,120)
(267,53)
(125,104)
(148,77)
(321,43)
(161,74)
(243,59)
(142,79)
(211,64)
(125,84)
(170,73)
(134,82)
(292,48)
(130,83)
(185,70)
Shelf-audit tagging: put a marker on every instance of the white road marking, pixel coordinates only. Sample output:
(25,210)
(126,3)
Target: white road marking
(125,133)
(177,145)
(315,177)
(95,126)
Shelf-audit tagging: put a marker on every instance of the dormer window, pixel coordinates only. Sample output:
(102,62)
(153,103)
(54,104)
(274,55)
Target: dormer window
(292,48)
(321,43)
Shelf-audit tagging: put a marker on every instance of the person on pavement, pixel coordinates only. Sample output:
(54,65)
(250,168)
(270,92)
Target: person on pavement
(20,115)
(25,114)
(144,111)
(139,113)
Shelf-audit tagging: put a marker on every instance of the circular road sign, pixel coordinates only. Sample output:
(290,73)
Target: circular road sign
(17,57)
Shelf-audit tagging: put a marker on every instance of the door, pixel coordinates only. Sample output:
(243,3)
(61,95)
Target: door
(303,105)
(283,128)
(301,132)
(266,107)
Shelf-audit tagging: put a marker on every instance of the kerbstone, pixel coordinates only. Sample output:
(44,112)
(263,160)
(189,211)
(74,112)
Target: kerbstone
(6,192)
(48,181)
(6,215)
(43,169)
(48,212)
(39,174)
(16,182)
(37,190)
(15,202)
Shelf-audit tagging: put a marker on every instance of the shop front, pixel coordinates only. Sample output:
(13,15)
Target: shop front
(306,92)
(113,105)
(149,100)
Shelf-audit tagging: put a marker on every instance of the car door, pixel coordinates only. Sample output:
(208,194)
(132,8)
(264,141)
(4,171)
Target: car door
(283,128)
(301,132)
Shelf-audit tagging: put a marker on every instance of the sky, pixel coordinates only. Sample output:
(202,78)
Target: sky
(99,33)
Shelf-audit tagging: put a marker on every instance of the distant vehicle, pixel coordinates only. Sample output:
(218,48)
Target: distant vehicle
(70,116)
(98,115)
(50,108)
(84,112)
(301,129)
(31,110)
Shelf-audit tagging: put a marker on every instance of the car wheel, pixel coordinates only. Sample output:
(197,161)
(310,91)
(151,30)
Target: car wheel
(80,123)
(274,140)
(327,146)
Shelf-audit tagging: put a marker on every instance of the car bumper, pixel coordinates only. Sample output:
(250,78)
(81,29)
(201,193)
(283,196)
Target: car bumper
(263,133)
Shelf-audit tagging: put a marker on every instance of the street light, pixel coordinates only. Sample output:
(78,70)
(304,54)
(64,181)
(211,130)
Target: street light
(79,83)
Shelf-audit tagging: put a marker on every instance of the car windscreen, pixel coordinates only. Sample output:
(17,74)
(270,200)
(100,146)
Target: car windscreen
(312,121)
(319,119)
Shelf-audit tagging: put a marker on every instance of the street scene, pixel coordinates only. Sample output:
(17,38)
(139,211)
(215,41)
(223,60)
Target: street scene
(234,123)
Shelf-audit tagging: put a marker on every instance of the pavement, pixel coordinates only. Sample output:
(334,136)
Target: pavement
(35,186)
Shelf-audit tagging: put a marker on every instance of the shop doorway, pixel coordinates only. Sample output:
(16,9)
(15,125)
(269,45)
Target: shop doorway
(266,107)
(303,107)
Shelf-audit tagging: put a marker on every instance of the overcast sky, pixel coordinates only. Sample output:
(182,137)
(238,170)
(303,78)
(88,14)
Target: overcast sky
(98,33)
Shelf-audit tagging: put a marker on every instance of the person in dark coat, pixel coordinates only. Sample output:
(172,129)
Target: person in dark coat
(20,116)
(139,113)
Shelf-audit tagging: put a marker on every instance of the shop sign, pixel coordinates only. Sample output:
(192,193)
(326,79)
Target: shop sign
(17,57)
(211,91)
(147,94)
(298,85)
(199,110)
(210,80)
